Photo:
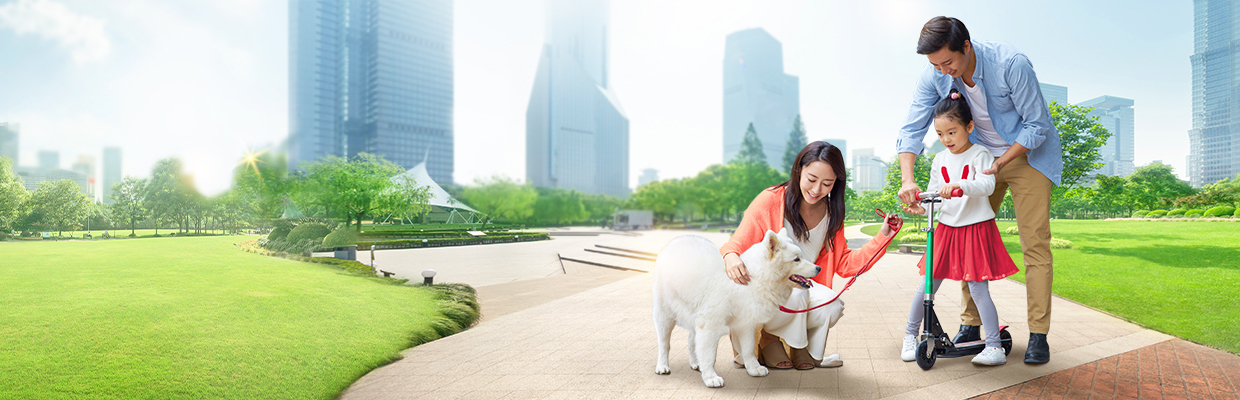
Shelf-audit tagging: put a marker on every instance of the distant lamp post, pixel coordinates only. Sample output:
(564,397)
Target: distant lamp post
(428,277)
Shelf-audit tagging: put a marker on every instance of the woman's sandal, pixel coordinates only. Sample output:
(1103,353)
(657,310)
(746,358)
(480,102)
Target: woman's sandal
(774,352)
(802,360)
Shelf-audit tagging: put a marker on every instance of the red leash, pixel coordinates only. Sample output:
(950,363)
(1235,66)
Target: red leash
(896,223)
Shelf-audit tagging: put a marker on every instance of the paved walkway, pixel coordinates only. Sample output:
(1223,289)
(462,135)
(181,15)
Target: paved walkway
(586,333)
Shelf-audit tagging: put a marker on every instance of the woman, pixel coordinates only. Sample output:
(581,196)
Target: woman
(811,205)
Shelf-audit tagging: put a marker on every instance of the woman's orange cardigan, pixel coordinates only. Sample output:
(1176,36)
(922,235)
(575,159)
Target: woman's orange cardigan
(766,212)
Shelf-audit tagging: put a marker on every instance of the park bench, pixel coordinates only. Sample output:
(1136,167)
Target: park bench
(387,274)
(908,248)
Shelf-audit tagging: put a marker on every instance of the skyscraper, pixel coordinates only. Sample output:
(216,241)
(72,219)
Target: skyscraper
(111,171)
(1056,93)
(1115,114)
(1214,141)
(756,90)
(372,76)
(8,141)
(85,165)
(576,132)
(49,159)
(869,171)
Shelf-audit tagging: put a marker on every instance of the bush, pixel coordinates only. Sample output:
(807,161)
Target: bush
(910,229)
(341,237)
(1236,214)
(1140,213)
(279,233)
(1057,243)
(1012,230)
(1220,211)
(1179,212)
(309,231)
(919,237)
(1156,214)
(1194,213)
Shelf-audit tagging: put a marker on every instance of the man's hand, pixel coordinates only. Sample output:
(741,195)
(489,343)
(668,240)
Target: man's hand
(994,168)
(908,193)
(736,269)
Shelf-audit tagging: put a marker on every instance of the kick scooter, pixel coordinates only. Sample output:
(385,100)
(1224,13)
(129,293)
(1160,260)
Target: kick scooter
(934,342)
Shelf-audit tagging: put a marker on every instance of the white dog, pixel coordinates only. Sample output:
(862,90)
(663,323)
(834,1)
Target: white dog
(692,290)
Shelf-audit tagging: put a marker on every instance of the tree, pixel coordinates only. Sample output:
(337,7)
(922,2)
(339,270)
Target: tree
(1154,185)
(263,183)
(1108,193)
(500,197)
(352,187)
(1224,192)
(58,205)
(12,195)
(659,197)
(744,181)
(1081,136)
(559,206)
(751,149)
(405,199)
(796,142)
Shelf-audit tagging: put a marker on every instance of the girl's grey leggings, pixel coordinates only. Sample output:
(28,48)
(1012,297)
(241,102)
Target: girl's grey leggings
(981,296)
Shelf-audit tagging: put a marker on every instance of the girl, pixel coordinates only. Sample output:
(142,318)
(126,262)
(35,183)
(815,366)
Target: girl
(967,246)
(810,205)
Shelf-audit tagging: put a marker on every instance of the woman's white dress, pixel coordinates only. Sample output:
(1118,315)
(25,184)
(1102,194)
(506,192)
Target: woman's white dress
(810,328)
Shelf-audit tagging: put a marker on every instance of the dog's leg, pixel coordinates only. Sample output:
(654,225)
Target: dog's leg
(693,358)
(707,344)
(663,331)
(746,347)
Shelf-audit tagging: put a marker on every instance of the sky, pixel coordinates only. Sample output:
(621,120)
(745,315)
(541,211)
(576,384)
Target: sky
(207,80)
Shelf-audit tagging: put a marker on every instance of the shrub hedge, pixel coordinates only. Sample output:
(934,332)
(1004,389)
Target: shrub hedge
(1156,214)
(1012,230)
(1140,213)
(442,242)
(1176,212)
(917,237)
(1194,213)
(1220,211)
(310,231)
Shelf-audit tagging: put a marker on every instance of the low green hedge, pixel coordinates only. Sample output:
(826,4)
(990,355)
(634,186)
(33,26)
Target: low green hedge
(1156,214)
(1220,211)
(442,242)
(1237,213)
(914,238)
(311,231)
(1179,212)
(1194,213)
(1140,213)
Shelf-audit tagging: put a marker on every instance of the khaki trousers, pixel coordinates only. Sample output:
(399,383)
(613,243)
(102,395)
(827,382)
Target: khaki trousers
(1031,197)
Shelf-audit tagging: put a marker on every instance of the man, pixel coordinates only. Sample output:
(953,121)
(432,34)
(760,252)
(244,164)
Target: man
(1012,121)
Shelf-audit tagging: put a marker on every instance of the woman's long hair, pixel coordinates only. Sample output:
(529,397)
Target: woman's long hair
(828,153)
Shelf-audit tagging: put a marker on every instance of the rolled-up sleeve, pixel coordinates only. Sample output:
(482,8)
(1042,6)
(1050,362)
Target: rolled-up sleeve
(1027,99)
(920,113)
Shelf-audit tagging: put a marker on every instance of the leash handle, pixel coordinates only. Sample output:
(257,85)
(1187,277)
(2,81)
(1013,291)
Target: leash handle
(892,220)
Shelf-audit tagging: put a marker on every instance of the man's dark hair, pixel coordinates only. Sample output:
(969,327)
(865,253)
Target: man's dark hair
(941,31)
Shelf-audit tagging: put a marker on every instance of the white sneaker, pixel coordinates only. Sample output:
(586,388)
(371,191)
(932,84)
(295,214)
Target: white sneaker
(908,352)
(991,356)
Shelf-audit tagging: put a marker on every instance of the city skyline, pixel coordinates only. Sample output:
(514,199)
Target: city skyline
(211,102)
(758,93)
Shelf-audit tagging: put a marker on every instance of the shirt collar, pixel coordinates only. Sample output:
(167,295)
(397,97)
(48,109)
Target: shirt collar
(977,63)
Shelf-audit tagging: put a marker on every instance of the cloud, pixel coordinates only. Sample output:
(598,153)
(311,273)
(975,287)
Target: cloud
(83,36)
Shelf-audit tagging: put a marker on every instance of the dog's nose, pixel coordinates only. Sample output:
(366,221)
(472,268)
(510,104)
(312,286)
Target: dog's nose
(817,270)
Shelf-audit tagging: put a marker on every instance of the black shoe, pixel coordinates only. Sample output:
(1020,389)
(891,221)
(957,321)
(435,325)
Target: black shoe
(968,333)
(1038,351)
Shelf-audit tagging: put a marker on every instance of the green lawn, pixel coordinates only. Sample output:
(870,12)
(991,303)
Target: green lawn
(192,318)
(1180,278)
(118,234)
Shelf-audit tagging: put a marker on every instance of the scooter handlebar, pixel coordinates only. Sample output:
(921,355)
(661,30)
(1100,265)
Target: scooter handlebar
(957,192)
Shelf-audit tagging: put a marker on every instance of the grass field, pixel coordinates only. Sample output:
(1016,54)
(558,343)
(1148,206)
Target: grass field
(192,318)
(1180,278)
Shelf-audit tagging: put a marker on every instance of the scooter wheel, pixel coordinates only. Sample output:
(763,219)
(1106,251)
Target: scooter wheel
(926,354)
(1006,339)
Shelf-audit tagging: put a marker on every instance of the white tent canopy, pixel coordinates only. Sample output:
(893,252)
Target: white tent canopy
(440,200)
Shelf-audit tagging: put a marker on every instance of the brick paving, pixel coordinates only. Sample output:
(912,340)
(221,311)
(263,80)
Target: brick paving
(1173,369)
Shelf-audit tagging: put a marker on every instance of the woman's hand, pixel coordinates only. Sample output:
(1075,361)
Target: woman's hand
(946,191)
(736,268)
(887,223)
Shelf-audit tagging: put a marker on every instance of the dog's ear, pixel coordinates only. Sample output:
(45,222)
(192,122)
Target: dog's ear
(772,241)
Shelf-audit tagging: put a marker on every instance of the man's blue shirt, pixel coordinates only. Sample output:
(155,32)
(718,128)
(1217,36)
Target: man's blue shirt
(1013,99)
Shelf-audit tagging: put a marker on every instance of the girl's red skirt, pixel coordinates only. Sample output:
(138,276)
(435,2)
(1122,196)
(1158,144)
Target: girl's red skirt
(970,253)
